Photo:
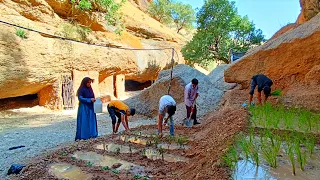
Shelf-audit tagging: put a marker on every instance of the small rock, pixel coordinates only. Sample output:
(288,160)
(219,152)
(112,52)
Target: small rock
(117,165)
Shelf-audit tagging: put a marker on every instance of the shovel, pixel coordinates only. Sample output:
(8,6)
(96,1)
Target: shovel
(189,122)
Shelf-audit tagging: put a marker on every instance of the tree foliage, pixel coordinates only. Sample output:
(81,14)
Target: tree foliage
(160,10)
(168,12)
(182,16)
(219,29)
(110,7)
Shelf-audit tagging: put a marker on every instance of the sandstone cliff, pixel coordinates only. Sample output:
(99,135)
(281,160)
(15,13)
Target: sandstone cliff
(291,60)
(35,64)
(309,8)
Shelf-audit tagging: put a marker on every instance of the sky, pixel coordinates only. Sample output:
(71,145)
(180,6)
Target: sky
(267,15)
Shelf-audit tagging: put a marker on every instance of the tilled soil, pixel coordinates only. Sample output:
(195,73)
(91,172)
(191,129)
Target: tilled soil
(207,142)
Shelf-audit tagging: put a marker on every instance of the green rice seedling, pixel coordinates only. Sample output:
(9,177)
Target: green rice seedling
(182,140)
(301,156)
(244,144)
(254,154)
(170,140)
(145,178)
(230,158)
(137,176)
(271,151)
(149,143)
(277,92)
(115,171)
(254,115)
(105,168)
(278,117)
(306,116)
(130,149)
(73,158)
(267,116)
(156,140)
(89,164)
(161,151)
(301,121)
(266,133)
(289,117)
(143,152)
(268,155)
(251,134)
(117,151)
(290,152)
(63,153)
(315,122)
(310,144)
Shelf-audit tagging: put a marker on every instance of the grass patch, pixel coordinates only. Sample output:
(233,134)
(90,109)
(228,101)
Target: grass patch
(21,33)
(277,92)
(74,31)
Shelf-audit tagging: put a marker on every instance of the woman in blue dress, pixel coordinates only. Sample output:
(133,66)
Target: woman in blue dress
(86,119)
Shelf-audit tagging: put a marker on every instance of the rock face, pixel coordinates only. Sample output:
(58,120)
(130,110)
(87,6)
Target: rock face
(35,64)
(147,102)
(309,9)
(290,60)
(284,30)
(217,78)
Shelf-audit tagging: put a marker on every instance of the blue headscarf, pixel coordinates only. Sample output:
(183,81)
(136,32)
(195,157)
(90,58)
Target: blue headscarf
(84,91)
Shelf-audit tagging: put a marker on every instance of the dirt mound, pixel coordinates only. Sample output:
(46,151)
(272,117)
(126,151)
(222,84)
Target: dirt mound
(290,60)
(217,78)
(147,102)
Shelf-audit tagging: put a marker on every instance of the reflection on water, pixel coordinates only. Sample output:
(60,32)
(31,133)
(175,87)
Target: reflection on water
(247,170)
(154,154)
(100,160)
(135,140)
(146,133)
(172,146)
(68,171)
(116,148)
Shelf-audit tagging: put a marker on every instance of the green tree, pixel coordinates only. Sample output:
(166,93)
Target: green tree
(161,10)
(219,29)
(183,16)
(111,8)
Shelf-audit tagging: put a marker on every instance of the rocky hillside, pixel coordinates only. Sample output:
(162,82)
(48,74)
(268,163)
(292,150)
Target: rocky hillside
(309,8)
(36,63)
(291,59)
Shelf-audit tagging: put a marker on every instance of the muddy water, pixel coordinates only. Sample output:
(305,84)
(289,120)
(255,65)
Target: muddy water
(68,171)
(247,170)
(146,133)
(112,147)
(155,154)
(171,146)
(100,160)
(135,139)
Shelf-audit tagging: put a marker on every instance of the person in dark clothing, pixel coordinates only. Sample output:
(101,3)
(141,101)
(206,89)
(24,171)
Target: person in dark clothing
(86,118)
(264,83)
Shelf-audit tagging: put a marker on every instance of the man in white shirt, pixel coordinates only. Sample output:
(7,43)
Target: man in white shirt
(191,92)
(167,105)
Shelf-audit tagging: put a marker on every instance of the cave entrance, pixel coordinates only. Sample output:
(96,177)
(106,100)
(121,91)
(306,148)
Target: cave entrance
(25,101)
(131,85)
